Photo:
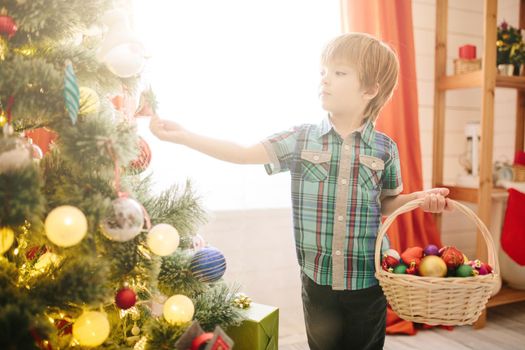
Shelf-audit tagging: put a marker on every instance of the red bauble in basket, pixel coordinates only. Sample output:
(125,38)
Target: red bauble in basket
(412,256)
(452,257)
(142,162)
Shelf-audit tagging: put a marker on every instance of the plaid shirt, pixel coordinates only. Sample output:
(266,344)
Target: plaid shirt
(336,189)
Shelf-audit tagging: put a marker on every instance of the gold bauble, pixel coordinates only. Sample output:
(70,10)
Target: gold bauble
(91,328)
(178,309)
(89,101)
(66,226)
(4,48)
(7,238)
(3,119)
(432,266)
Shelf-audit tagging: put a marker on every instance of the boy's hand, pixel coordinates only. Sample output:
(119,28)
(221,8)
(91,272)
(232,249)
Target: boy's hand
(435,201)
(166,130)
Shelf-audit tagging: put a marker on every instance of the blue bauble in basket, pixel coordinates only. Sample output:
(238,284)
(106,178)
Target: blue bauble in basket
(208,265)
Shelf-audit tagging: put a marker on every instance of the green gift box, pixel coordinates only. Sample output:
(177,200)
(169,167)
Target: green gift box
(260,331)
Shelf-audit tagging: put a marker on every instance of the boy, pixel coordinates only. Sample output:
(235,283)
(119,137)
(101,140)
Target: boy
(345,176)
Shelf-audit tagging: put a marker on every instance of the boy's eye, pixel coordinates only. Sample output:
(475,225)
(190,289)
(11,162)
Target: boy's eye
(339,73)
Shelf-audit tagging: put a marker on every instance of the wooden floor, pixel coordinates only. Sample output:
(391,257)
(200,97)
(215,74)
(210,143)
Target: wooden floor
(259,249)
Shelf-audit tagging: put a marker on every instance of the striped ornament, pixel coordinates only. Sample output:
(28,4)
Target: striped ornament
(208,265)
(71,92)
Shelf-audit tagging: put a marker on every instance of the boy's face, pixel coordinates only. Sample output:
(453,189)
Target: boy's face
(340,90)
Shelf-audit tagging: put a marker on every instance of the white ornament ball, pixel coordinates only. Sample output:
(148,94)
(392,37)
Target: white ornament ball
(66,226)
(125,60)
(124,221)
(91,328)
(163,239)
(178,309)
(15,154)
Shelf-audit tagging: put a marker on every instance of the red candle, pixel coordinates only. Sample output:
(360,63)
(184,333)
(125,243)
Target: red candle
(519,158)
(467,52)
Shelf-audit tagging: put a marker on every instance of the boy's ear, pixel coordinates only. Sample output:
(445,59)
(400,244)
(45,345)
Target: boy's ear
(371,92)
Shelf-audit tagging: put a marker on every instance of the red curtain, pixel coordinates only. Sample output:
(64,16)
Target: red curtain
(391,21)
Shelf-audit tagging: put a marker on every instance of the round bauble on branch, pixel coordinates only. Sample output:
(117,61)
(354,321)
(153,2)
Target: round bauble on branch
(163,239)
(142,162)
(178,309)
(121,51)
(125,298)
(7,25)
(208,265)
(124,220)
(7,237)
(91,328)
(66,226)
(89,101)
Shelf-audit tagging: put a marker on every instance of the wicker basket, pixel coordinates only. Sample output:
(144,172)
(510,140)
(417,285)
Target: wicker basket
(450,301)
(519,173)
(464,66)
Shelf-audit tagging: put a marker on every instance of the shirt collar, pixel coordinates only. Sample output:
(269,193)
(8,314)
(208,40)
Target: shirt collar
(366,130)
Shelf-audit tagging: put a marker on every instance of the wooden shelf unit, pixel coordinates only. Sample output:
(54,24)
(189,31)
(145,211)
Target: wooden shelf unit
(475,79)
(487,80)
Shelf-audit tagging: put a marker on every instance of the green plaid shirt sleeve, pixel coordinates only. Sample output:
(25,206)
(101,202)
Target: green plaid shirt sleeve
(281,147)
(392,184)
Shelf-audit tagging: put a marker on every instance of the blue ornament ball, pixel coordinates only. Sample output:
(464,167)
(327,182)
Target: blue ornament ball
(208,265)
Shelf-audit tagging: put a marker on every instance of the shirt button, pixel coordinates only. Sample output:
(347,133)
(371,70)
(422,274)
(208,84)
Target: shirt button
(343,181)
(374,165)
(347,147)
(316,157)
(337,252)
(340,218)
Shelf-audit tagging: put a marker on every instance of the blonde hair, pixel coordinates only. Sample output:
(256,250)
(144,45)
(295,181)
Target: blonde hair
(375,62)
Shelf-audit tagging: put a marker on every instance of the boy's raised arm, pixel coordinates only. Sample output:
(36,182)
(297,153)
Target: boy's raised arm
(224,150)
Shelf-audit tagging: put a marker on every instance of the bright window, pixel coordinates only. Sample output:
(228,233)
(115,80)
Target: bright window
(234,69)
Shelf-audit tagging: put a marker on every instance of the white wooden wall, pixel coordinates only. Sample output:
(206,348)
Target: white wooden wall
(465,27)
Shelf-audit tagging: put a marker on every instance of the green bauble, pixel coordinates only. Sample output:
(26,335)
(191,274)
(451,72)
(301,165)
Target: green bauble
(464,271)
(400,269)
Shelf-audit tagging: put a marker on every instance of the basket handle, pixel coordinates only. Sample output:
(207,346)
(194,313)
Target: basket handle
(493,262)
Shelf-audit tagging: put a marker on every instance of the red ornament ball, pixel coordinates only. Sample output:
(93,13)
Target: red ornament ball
(7,26)
(452,257)
(142,162)
(125,298)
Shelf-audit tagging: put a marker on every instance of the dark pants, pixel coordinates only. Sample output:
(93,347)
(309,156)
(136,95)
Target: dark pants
(343,319)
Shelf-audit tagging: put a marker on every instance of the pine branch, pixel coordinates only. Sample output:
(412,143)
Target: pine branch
(175,276)
(51,21)
(81,281)
(215,307)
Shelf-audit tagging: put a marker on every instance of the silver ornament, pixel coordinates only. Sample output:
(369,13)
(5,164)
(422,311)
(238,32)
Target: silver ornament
(124,220)
(14,153)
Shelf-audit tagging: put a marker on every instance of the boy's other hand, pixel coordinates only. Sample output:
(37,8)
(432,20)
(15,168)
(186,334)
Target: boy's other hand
(435,201)
(166,130)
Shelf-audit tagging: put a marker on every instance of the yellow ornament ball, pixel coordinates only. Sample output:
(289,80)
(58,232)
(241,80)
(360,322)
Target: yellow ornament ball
(178,309)
(7,238)
(465,259)
(432,266)
(89,101)
(91,328)
(66,226)
(163,239)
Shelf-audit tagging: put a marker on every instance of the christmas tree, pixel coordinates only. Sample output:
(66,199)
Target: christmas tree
(89,257)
